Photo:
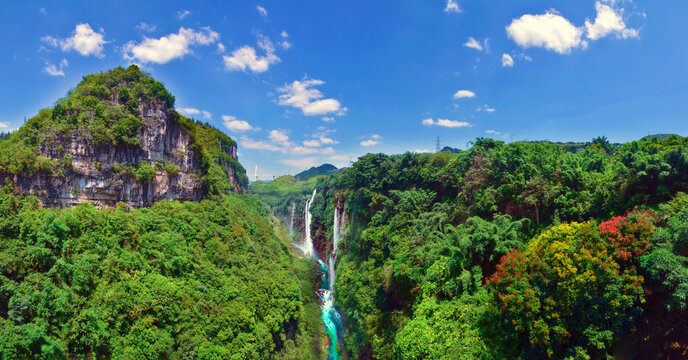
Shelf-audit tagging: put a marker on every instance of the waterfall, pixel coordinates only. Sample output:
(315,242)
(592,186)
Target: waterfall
(307,246)
(331,318)
(336,232)
(291,226)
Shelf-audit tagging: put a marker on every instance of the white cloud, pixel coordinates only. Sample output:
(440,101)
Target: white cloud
(486,109)
(189,111)
(421,151)
(145,27)
(236,125)
(284,34)
(452,6)
(301,150)
(301,95)
(372,141)
(608,21)
(4,125)
(168,47)
(311,143)
(461,94)
(206,114)
(182,14)
(302,163)
(550,31)
(262,11)
(221,47)
(286,45)
(56,70)
(248,143)
(53,70)
(493,132)
(445,123)
(507,60)
(325,140)
(279,137)
(246,57)
(84,40)
(475,44)
(43,11)
(328,119)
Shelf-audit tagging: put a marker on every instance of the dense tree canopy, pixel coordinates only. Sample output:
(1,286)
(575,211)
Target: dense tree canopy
(527,250)
(209,280)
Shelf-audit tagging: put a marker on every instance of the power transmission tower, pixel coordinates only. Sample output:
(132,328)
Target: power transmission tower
(437,145)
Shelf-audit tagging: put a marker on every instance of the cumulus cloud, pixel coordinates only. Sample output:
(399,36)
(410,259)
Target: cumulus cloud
(170,47)
(452,7)
(421,151)
(4,125)
(372,141)
(56,70)
(84,40)
(246,57)
(145,27)
(608,21)
(445,123)
(279,137)
(182,14)
(232,123)
(550,31)
(554,32)
(475,44)
(248,143)
(302,95)
(326,140)
(461,94)
(189,111)
(507,60)
(262,11)
(311,143)
(206,115)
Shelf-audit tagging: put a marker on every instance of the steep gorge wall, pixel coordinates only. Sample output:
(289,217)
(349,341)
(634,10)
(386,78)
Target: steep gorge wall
(102,174)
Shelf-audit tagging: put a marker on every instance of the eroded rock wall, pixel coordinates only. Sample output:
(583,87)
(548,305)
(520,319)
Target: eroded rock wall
(99,175)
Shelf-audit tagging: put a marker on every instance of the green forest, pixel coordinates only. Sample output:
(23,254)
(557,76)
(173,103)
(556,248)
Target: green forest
(208,280)
(524,250)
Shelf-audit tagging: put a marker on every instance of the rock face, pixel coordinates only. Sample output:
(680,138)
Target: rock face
(105,175)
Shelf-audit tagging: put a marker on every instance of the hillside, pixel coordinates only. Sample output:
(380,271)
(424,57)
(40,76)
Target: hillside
(324,169)
(117,138)
(193,280)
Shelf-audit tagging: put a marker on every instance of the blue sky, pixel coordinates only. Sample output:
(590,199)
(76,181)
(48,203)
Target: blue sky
(302,83)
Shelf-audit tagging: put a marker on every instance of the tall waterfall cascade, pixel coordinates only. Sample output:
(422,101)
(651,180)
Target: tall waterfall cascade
(331,318)
(291,225)
(307,246)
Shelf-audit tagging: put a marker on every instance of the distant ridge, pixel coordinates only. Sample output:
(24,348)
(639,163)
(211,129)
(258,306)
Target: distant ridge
(323,169)
(660,137)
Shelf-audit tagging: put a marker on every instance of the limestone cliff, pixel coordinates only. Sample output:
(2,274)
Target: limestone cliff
(166,156)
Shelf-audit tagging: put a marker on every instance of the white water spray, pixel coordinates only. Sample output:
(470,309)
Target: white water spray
(291,226)
(307,246)
(336,232)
